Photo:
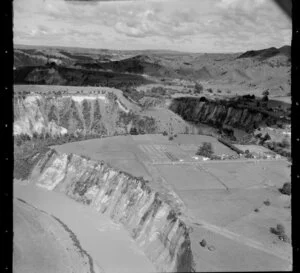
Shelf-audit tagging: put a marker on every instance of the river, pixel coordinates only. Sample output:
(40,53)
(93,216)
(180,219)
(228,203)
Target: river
(108,243)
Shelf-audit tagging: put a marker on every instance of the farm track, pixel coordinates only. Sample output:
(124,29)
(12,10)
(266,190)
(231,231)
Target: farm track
(214,161)
(202,168)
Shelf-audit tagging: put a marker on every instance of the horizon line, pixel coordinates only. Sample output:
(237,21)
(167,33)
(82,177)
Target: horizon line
(162,50)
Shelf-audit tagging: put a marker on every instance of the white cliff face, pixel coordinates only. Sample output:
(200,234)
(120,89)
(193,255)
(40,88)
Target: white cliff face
(57,116)
(31,119)
(149,218)
(80,99)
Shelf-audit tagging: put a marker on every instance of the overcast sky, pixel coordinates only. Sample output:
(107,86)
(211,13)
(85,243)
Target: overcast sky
(183,25)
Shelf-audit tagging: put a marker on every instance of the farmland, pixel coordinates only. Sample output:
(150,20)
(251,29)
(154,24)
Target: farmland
(220,197)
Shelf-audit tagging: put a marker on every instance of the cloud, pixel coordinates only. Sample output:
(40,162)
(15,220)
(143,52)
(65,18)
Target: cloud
(153,22)
(192,25)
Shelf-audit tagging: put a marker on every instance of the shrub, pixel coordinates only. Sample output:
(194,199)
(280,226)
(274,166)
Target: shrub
(280,232)
(256,210)
(209,90)
(165,133)
(267,203)
(219,91)
(133,131)
(198,88)
(171,138)
(203,99)
(203,243)
(266,137)
(286,188)
(158,91)
(205,150)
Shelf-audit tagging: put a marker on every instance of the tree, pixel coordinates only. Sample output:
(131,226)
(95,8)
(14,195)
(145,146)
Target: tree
(266,137)
(265,98)
(198,88)
(286,189)
(133,131)
(108,77)
(266,93)
(205,150)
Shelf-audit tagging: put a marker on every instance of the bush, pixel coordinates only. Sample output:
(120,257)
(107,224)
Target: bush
(259,135)
(266,137)
(205,150)
(198,88)
(171,138)
(165,133)
(280,232)
(219,91)
(203,99)
(209,90)
(133,131)
(158,91)
(286,188)
(203,243)
(267,203)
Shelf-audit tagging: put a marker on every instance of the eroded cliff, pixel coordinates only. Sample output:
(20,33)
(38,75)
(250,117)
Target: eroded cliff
(221,113)
(150,218)
(75,114)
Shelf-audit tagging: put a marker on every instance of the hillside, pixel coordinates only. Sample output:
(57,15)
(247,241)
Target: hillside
(268,53)
(251,71)
(59,75)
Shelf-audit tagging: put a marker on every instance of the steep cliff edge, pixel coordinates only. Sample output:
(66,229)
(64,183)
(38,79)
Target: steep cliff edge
(221,113)
(96,115)
(150,217)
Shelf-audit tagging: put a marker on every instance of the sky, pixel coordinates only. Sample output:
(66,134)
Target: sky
(203,26)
